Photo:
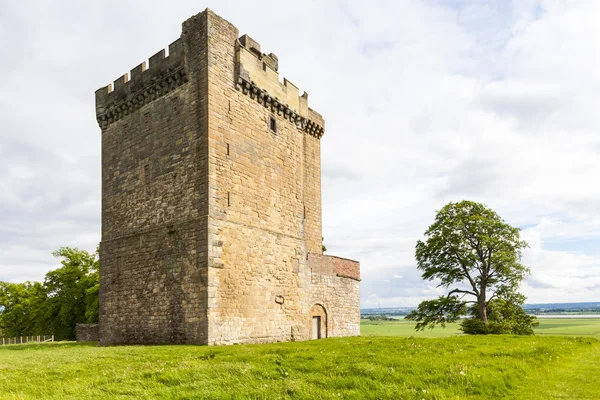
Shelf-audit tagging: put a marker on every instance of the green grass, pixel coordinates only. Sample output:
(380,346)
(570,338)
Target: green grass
(588,327)
(456,367)
(584,327)
(404,328)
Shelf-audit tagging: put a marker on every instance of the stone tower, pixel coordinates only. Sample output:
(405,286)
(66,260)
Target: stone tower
(211,201)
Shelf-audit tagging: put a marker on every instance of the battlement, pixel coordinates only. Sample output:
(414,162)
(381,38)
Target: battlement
(141,85)
(258,78)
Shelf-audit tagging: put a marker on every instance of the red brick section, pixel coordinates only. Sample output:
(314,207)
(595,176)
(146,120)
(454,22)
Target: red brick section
(342,267)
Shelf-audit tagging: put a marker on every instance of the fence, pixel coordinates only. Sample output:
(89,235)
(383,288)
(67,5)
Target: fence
(27,339)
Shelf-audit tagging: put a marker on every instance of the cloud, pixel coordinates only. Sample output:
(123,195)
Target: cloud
(426,102)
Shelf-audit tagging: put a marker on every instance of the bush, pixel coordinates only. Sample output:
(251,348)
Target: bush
(505,317)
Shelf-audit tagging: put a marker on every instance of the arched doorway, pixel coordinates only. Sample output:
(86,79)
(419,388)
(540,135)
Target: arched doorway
(318,322)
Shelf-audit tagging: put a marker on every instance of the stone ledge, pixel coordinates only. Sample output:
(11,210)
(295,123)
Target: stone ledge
(349,277)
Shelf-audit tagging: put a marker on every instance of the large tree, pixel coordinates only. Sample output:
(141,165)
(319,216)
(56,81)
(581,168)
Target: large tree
(473,254)
(20,307)
(68,295)
(68,288)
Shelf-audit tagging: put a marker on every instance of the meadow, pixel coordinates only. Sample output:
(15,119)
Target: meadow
(400,365)
(584,327)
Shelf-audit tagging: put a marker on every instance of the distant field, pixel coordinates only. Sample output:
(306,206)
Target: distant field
(459,367)
(585,327)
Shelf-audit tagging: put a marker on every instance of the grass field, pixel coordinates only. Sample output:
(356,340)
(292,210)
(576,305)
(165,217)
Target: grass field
(455,367)
(585,327)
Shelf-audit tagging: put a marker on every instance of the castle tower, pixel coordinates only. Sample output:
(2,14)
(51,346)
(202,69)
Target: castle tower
(211,201)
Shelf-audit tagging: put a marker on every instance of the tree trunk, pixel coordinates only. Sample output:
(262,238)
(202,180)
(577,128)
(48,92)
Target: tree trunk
(482,308)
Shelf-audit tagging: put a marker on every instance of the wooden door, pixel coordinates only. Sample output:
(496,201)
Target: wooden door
(316,327)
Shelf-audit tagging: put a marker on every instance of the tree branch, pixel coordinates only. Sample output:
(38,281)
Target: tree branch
(466,272)
(487,303)
(461,291)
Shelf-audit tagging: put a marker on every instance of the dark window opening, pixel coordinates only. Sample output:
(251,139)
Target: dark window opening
(146,173)
(228,199)
(273,124)
(118,266)
(227,148)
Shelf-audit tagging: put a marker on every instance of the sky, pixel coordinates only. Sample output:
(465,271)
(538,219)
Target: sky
(426,102)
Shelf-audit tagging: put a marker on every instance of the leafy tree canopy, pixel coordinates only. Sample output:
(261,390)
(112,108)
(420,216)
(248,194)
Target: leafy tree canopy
(68,295)
(476,256)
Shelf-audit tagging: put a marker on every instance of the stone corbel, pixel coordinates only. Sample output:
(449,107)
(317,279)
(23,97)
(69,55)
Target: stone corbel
(262,96)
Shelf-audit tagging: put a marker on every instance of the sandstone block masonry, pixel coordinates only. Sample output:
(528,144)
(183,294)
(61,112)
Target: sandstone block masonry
(211,201)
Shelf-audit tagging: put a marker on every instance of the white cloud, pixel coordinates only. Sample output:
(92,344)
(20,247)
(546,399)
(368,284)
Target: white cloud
(426,102)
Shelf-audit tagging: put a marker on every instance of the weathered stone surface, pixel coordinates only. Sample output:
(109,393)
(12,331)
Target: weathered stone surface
(211,201)
(87,332)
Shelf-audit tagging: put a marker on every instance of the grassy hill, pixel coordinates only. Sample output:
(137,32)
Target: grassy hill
(456,367)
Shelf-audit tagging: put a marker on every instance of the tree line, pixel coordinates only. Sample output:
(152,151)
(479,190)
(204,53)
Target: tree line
(67,296)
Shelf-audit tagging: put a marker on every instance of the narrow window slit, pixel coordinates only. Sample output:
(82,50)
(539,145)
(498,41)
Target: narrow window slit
(146,173)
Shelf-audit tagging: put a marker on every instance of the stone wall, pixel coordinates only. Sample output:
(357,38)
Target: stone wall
(87,332)
(335,284)
(211,204)
(264,202)
(255,207)
(153,253)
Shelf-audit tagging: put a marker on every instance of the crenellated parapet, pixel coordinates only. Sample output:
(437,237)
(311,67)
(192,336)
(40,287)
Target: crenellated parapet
(259,79)
(142,85)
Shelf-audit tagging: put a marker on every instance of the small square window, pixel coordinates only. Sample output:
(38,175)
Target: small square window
(273,124)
